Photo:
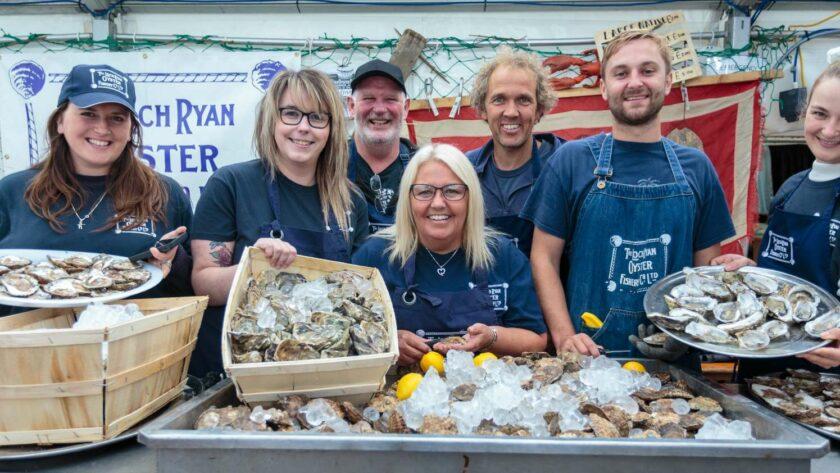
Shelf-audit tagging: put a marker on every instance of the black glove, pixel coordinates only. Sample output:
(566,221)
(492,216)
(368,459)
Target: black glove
(672,349)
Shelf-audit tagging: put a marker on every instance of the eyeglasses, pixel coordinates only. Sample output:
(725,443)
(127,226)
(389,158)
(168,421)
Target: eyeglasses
(293,116)
(428,191)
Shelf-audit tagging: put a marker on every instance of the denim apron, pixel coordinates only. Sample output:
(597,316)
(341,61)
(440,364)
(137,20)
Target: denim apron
(329,244)
(798,244)
(378,220)
(424,313)
(627,237)
(794,244)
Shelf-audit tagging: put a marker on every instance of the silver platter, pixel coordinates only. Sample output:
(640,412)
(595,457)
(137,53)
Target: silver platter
(799,341)
(38,256)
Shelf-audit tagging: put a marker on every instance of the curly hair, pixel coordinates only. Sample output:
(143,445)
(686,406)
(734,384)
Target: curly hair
(507,57)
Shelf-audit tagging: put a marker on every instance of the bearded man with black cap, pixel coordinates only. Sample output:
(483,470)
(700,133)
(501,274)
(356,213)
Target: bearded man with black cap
(378,156)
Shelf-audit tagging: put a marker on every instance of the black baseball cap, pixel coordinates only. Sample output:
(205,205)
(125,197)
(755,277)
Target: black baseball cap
(378,67)
(89,85)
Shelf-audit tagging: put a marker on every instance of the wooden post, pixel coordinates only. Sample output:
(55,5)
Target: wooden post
(408,49)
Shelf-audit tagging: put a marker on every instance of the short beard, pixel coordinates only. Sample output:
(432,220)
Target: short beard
(657,100)
(370,140)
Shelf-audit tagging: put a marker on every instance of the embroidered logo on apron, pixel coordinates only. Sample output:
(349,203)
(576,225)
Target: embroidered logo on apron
(636,265)
(145,228)
(779,248)
(833,226)
(498,295)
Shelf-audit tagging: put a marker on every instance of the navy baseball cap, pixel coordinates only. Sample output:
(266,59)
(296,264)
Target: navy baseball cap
(89,85)
(378,67)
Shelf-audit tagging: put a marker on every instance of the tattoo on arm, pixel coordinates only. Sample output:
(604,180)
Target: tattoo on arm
(220,253)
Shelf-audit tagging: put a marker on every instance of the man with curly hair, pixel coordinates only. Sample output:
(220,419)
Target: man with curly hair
(511,94)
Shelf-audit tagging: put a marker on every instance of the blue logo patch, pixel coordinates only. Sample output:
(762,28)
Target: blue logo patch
(105,79)
(146,228)
(779,248)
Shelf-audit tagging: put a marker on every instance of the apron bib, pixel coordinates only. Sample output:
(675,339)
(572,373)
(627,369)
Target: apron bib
(627,237)
(423,312)
(377,220)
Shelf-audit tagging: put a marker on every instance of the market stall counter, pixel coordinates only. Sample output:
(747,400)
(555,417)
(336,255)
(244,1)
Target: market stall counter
(781,445)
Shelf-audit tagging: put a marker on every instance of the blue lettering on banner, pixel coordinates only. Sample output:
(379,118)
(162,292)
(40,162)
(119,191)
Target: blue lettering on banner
(146,228)
(779,248)
(166,154)
(636,265)
(201,115)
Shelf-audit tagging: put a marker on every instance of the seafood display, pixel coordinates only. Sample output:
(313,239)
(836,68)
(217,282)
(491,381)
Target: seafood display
(805,396)
(751,309)
(284,317)
(531,395)
(69,277)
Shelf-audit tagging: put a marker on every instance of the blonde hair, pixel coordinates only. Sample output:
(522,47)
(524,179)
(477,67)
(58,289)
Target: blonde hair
(476,239)
(331,170)
(507,57)
(612,48)
(830,72)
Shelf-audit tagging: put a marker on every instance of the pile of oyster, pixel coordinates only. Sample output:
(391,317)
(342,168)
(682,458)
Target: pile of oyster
(284,317)
(70,277)
(748,308)
(811,398)
(555,403)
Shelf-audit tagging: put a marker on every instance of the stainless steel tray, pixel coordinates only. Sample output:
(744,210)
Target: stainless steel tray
(799,341)
(810,427)
(782,446)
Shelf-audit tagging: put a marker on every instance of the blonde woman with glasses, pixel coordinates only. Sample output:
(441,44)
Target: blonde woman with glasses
(295,199)
(447,273)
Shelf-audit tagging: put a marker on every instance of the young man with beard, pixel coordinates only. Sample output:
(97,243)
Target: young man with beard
(378,156)
(649,208)
(511,93)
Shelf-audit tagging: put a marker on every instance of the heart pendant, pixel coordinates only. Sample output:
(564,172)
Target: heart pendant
(441,271)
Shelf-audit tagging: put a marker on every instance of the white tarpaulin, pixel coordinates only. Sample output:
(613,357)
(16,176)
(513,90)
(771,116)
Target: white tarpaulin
(197,109)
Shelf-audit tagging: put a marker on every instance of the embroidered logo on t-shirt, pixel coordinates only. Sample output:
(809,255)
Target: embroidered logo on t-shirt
(498,295)
(833,226)
(126,226)
(779,248)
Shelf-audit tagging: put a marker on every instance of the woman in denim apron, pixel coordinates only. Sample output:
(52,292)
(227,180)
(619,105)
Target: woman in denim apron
(300,138)
(802,230)
(467,287)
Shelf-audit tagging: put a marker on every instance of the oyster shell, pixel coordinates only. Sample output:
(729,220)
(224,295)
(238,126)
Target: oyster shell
(438,425)
(369,338)
(19,284)
(684,290)
(46,273)
(137,275)
(727,312)
(802,293)
(675,319)
(14,262)
(708,333)
(753,340)
(657,339)
(709,285)
(748,303)
(775,329)
(746,323)
(603,427)
(699,304)
(292,350)
(4,269)
(64,288)
(704,404)
(761,284)
(827,321)
(96,279)
(804,311)
(779,307)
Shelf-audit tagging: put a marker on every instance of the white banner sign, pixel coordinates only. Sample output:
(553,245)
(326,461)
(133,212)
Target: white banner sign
(197,109)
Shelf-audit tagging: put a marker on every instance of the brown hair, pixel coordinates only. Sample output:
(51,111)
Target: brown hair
(331,170)
(135,188)
(612,48)
(507,57)
(830,72)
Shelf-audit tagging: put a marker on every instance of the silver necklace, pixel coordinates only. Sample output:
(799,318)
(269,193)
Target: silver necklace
(81,224)
(441,267)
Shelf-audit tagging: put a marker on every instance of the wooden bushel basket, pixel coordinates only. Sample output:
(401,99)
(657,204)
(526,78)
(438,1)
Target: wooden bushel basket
(60,385)
(350,378)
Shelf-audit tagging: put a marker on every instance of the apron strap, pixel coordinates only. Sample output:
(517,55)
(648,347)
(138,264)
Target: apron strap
(676,168)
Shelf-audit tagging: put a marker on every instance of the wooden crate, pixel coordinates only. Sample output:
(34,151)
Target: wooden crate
(60,385)
(351,378)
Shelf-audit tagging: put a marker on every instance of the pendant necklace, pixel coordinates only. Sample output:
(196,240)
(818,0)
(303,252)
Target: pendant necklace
(81,224)
(441,267)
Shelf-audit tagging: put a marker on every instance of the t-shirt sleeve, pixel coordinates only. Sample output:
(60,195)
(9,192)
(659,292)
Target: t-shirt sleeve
(713,221)
(215,218)
(361,226)
(523,308)
(549,206)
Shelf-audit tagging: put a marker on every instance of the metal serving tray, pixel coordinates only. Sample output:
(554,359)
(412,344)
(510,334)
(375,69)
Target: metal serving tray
(799,341)
(782,446)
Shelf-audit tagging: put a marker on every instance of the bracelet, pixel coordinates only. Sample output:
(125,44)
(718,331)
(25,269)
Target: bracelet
(493,341)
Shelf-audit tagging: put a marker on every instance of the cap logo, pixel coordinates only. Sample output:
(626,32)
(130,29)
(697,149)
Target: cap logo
(105,79)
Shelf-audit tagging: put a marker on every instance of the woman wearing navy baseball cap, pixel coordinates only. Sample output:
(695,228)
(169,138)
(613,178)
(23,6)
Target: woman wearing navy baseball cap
(91,192)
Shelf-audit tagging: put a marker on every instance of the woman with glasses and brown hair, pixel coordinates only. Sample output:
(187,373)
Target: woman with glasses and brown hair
(295,199)
(447,273)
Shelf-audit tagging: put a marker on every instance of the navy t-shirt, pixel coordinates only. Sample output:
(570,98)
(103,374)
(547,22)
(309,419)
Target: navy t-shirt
(510,284)
(565,181)
(235,204)
(21,228)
